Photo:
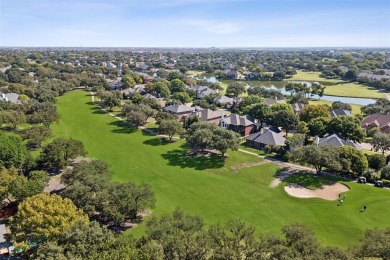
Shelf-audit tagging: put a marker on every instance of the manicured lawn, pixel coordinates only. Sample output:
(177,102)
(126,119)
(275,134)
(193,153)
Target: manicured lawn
(355,108)
(194,72)
(211,187)
(311,76)
(353,90)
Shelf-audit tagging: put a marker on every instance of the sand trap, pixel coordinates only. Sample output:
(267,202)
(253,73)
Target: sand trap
(327,192)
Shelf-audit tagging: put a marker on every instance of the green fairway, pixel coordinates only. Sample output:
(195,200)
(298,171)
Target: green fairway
(311,76)
(353,90)
(210,187)
(334,89)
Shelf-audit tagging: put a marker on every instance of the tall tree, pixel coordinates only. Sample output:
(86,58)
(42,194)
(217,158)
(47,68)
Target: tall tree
(13,152)
(43,217)
(310,112)
(170,127)
(381,141)
(317,156)
(13,117)
(235,89)
(347,127)
(285,119)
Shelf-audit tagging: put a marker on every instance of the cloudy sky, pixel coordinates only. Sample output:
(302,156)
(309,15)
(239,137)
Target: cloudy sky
(195,23)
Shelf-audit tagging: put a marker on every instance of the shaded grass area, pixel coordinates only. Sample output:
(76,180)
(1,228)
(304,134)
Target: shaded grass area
(310,181)
(212,187)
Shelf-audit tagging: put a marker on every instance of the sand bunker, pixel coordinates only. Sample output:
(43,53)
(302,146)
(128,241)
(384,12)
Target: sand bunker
(327,192)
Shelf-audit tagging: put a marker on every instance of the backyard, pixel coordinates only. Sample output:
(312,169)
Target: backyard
(214,188)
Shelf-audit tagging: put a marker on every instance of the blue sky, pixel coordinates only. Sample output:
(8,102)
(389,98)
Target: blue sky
(195,23)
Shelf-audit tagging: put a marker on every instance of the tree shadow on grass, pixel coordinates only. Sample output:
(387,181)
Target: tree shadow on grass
(122,127)
(157,141)
(310,181)
(182,159)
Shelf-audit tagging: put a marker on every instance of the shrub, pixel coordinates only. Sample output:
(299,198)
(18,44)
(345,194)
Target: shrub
(376,161)
(385,173)
(370,175)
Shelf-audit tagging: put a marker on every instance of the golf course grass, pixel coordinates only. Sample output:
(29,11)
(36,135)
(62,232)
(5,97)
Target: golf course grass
(334,89)
(211,187)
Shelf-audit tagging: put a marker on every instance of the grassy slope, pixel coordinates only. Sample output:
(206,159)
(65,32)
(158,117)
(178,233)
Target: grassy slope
(355,108)
(343,90)
(207,188)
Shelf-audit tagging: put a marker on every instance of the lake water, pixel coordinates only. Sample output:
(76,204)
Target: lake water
(280,85)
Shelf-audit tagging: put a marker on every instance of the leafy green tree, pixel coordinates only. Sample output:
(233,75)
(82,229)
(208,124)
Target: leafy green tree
(13,152)
(318,126)
(58,153)
(375,243)
(162,116)
(351,74)
(23,187)
(317,156)
(341,105)
(184,97)
(297,140)
(352,160)
(225,139)
(170,127)
(317,89)
(7,176)
(162,89)
(310,112)
(302,128)
(280,106)
(347,127)
(301,241)
(385,173)
(110,100)
(180,236)
(376,161)
(247,102)
(174,75)
(381,142)
(36,135)
(136,118)
(43,113)
(235,240)
(13,117)
(128,81)
(285,119)
(235,89)
(260,111)
(177,86)
(43,217)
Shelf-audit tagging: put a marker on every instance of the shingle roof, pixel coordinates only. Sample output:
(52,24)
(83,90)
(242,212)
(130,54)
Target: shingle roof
(234,119)
(209,114)
(268,137)
(177,109)
(335,140)
(271,101)
(381,121)
(340,112)
(223,99)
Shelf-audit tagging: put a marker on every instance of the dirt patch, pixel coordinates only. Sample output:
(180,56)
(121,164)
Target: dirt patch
(327,192)
(245,165)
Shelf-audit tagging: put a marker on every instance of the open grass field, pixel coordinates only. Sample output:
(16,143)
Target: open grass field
(353,90)
(355,108)
(342,90)
(210,187)
(311,76)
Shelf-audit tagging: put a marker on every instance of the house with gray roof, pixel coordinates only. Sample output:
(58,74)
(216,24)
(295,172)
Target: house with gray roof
(208,115)
(10,97)
(242,125)
(272,101)
(114,83)
(339,112)
(179,110)
(335,140)
(297,107)
(201,91)
(266,136)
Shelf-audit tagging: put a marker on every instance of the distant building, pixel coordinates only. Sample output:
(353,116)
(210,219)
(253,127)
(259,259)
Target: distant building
(208,115)
(202,91)
(272,101)
(179,110)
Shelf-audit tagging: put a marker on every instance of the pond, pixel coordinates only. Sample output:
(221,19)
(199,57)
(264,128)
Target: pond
(280,85)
